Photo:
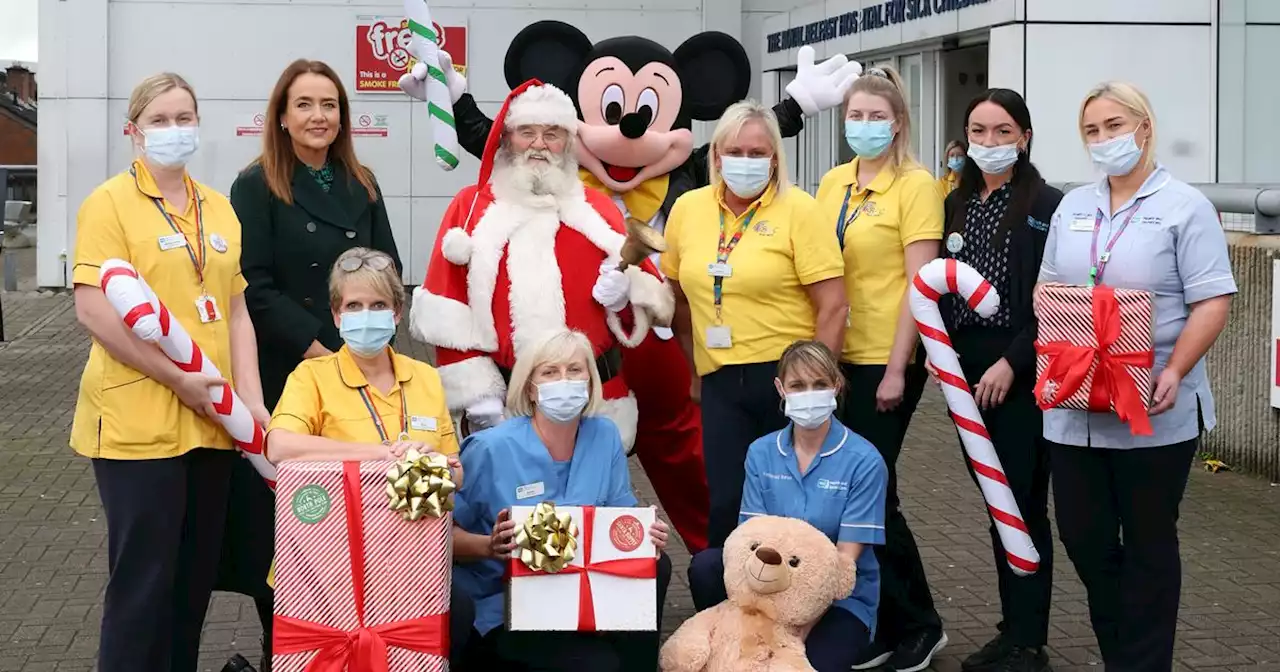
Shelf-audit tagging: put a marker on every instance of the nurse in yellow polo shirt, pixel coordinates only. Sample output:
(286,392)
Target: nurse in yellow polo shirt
(162,464)
(753,272)
(886,212)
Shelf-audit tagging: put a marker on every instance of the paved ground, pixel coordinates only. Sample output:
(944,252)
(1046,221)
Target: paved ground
(53,548)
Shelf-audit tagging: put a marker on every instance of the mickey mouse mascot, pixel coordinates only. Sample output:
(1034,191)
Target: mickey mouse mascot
(636,101)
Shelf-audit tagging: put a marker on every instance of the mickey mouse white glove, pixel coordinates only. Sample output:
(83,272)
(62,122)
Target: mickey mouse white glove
(819,87)
(612,289)
(414,82)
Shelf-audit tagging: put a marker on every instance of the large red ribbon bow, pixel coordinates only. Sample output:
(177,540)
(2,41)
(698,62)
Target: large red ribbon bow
(1069,365)
(365,648)
(632,568)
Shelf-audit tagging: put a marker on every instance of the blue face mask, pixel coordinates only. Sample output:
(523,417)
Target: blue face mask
(563,400)
(367,332)
(868,139)
(746,176)
(810,409)
(956,164)
(170,146)
(1117,156)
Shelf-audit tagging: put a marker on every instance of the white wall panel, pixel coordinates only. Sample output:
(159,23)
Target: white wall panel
(1122,11)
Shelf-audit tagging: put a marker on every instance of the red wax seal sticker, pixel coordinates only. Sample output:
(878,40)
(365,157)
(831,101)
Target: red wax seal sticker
(626,532)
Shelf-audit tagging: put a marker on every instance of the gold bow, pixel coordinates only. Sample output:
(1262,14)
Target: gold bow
(548,540)
(419,485)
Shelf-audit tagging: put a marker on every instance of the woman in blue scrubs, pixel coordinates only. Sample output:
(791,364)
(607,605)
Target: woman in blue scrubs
(552,449)
(818,471)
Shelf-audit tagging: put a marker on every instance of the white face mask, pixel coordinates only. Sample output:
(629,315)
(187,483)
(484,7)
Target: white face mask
(563,400)
(746,176)
(994,160)
(171,146)
(1117,156)
(810,409)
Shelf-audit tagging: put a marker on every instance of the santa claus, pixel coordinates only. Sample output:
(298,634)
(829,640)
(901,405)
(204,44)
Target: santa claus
(526,250)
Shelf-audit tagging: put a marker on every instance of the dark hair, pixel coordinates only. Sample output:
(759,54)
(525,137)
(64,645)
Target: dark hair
(1025,182)
(278,158)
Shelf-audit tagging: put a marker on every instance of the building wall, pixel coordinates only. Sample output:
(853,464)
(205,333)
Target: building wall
(17,141)
(88,71)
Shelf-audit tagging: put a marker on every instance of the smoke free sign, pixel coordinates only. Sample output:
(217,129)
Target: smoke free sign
(382,51)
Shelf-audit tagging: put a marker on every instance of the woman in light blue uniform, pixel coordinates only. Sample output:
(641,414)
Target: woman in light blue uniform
(548,451)
(818,471)
(1139,228)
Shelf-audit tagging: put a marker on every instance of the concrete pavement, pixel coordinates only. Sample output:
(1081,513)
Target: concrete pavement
(53,541)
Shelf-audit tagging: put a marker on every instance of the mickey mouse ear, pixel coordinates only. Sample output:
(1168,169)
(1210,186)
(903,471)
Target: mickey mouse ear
(550,51)
(714,74)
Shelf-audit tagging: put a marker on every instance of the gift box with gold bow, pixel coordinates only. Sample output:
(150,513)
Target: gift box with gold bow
(363,565)
(582,568)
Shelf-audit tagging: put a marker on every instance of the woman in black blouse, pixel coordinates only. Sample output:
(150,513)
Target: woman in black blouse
(997,221)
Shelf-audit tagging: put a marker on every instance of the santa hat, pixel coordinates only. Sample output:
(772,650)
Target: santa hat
(530,103)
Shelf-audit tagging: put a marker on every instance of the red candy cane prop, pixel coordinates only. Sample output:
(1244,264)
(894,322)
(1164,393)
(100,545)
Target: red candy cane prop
(150,321)
(948,276)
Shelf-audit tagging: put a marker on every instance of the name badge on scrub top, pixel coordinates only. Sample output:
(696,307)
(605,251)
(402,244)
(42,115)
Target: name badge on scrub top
(720,270)
(718,337)
(530,490)
(422,424)
(207,308)
(1082,224)
(172,241)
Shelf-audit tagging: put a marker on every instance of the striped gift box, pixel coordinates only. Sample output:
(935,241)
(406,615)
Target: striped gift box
(408,565)
(1066,314)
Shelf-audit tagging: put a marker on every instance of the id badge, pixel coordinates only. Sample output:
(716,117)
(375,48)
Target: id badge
(1082,224)
(718,337)
(207,308)
(172,242)
(421,423)
(720,270)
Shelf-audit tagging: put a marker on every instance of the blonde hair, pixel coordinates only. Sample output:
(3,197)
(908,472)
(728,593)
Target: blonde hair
(385,282)
(730,125)
(954,144)
(1131,98)
(814,356)
(556,347)
(155,86)
(884,82)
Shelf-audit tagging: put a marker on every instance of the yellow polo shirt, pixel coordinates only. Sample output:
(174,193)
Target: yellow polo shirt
(120,413)
(902,207)
(322,398)
(948,183)
(765,304)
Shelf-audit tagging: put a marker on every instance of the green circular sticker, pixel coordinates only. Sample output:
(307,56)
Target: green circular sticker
(311,504)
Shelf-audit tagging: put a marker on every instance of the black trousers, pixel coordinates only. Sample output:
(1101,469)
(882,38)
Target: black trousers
(739,405)
(249,544)
(502,650)
(1102,495)
(906,606)
(837,642)
(1016,427)
(165,521)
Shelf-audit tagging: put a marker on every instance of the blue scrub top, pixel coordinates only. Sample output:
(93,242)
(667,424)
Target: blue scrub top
(842,494)
(509,465)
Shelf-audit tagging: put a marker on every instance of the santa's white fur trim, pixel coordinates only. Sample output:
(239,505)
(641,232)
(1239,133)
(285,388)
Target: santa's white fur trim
(445,322)
(652,295)
(471,380)
(456,246)
(625,414)
(543,105)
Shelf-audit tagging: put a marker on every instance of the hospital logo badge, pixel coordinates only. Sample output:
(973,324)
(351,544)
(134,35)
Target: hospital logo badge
(763,228)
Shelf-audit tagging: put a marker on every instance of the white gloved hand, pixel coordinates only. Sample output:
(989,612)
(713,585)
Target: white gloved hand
(819,87)
(612,289)
(414,82)
(485,413)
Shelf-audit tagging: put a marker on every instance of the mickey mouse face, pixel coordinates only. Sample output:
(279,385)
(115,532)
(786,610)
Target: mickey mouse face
(635,97)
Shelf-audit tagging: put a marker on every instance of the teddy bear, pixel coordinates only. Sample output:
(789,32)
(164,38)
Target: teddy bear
(782,575)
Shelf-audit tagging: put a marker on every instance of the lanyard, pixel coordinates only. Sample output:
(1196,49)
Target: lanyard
(1099,263)
(842,223)
(723,250)
(377,419)
(197,259)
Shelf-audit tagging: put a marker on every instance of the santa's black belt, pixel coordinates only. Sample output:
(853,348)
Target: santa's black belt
(609,363)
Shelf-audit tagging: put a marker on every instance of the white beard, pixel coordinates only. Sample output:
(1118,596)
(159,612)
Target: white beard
(521,178)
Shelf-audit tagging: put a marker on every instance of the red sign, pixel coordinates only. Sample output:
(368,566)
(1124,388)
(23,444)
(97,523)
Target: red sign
(626,532)
(369,125)
(254,129)
(382,51)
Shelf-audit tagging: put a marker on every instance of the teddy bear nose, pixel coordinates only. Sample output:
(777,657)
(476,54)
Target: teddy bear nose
(768,556)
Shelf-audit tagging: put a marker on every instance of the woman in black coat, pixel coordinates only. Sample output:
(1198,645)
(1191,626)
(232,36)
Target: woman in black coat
(302,203)
(997,221)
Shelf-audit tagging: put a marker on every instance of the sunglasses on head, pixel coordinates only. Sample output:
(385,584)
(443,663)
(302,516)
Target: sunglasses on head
(375,262)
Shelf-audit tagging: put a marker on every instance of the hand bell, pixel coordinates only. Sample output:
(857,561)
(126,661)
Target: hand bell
(642,241)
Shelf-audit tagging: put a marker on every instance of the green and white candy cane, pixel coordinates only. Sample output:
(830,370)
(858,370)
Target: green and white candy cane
(425,48)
